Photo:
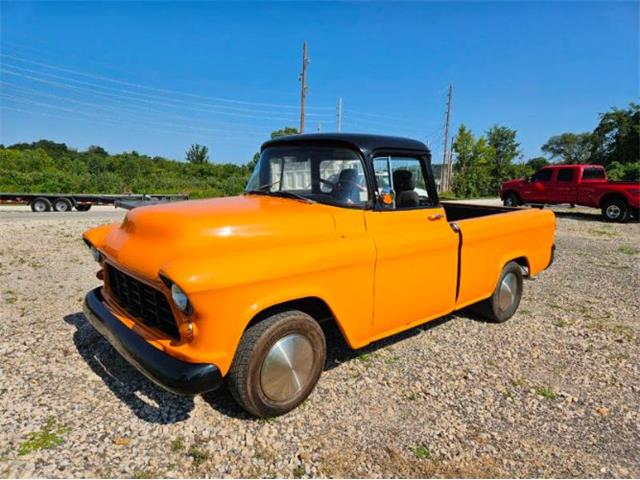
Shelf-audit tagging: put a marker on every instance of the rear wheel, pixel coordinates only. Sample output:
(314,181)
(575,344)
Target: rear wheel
(277,364)
(615,210)
(505,299)
(511,200)
(40,205)
(62,205)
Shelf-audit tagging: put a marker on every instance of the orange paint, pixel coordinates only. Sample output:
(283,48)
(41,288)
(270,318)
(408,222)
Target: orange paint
(380,272)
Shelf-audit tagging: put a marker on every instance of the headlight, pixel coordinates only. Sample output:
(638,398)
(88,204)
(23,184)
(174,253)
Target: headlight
(180,299)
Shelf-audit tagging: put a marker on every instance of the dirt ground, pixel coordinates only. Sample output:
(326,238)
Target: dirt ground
(554,392)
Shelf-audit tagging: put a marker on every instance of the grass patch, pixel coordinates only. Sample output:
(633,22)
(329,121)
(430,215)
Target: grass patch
(9,296)
(421,451)
(603,233)
(517,382)
(365,357)
(49,436)
(560,323)
(198,456)
(546,392)
(298,471)
(177,444)
(627,250)
(144,474)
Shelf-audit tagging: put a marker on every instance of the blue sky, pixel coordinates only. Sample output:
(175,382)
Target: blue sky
(156,77)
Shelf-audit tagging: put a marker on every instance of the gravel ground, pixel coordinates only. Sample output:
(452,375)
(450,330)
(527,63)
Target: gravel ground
(553,392)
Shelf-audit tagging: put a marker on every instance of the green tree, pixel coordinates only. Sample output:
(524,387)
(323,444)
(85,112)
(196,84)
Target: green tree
(570,148)
(505,150)
(472,166)
(617,137)
(536,163)
(283,132)
(197,154)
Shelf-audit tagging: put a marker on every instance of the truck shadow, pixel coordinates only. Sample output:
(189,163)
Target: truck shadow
(155,405)
(590,217)
(146,400)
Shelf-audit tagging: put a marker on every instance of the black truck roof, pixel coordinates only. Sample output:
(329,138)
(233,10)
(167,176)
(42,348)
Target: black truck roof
(364,142)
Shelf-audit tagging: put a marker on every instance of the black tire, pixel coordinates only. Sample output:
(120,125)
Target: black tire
(615,210)
(62,205)
(83,207)
(248,379)
(40,205)
(512,199)
(495,310)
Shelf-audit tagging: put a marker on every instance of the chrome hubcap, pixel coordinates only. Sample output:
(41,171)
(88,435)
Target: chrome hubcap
(40,207)
(287,368)
(613,211)
(61,207)
(508,290)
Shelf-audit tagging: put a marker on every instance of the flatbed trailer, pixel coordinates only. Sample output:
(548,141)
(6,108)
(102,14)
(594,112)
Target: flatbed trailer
(65,202)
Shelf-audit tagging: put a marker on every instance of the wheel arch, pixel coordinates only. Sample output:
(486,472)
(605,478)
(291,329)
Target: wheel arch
(523,261)
(612,196)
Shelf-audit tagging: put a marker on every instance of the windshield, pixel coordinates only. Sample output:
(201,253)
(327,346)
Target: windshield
(321,174)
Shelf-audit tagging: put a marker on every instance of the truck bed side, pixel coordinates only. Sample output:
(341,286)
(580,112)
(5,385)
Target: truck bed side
(490,241)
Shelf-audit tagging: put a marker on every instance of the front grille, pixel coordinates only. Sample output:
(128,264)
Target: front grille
(145,303)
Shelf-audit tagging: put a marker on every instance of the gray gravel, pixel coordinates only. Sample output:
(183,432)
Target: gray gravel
(553,392)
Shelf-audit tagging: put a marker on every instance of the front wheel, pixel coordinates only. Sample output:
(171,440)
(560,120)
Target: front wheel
(504,301)
(511,200)
(615,210)
(277,364)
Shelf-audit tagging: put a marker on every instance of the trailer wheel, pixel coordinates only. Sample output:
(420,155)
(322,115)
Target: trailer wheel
(85,207)
(504,301)
(40,204)
(62,205)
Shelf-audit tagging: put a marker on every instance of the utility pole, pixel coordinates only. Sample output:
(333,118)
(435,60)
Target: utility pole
(340,114)
(303,84)
(450,166)
(444,177)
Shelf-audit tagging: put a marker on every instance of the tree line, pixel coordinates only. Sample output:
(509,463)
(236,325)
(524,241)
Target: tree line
(483,163)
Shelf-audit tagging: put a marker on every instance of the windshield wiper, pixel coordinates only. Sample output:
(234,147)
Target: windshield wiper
(284,194)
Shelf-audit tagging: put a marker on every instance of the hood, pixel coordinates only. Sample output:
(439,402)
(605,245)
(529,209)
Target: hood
(150,237)
(513,183)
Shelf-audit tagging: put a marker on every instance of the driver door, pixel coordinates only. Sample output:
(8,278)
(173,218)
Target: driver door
(417,251)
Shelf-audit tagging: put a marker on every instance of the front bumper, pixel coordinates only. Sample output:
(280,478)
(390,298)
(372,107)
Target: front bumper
(168,372)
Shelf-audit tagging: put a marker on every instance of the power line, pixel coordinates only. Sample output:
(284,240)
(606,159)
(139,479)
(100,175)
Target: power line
(92,90)
(156,89)
(116,110)
(156,97)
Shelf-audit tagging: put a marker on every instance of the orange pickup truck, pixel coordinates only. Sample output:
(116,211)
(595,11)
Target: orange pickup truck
(338,228)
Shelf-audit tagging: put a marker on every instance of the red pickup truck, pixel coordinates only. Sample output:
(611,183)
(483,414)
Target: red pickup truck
(585,185)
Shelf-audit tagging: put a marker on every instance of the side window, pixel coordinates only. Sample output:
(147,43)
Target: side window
(565,174)
(593,174)
(405,177)
(542,175)
(344,180)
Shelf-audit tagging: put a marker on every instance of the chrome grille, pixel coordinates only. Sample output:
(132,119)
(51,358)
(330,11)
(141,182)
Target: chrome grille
(146,304)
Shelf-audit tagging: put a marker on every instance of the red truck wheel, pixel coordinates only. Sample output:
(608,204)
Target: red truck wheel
(277,364)
(615,210)
(512,200)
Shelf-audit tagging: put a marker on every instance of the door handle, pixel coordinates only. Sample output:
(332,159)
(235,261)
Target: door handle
(436,216)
